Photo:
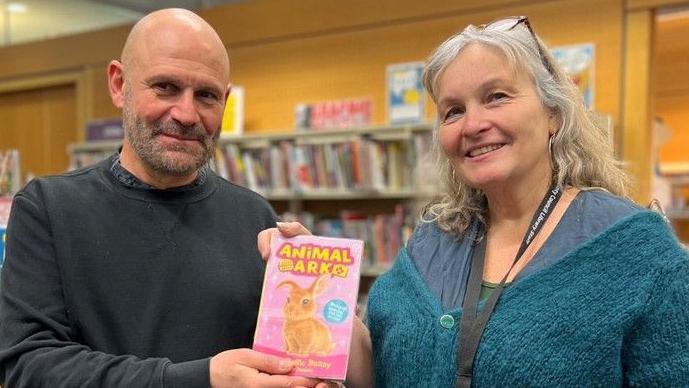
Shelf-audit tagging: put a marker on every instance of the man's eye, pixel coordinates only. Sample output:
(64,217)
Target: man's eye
(207,96)
(164,87)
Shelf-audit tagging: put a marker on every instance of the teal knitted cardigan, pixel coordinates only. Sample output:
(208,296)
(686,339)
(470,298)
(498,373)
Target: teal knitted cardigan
(613,312)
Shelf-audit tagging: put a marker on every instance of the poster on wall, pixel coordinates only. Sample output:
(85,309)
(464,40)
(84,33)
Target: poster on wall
(405,94)
(578,61)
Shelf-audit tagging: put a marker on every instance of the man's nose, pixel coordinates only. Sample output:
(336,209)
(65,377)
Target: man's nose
(184,111)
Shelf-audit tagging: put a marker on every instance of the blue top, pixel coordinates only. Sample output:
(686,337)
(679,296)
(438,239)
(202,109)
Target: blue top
(442,259)
(613,312)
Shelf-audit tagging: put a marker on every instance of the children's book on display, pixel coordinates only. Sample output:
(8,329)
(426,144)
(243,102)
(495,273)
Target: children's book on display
(308,303)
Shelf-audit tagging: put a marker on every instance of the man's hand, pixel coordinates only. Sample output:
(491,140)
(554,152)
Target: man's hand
(248,368)
(287,229)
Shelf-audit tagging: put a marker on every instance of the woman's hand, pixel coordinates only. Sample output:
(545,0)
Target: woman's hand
(360,369)
(287,229)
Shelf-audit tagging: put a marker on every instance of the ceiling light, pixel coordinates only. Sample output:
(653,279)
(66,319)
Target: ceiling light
(16,7)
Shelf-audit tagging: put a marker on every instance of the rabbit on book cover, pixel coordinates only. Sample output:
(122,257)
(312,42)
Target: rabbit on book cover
(303,332)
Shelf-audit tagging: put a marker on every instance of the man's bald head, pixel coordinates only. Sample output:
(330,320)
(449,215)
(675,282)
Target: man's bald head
(171,84)
(173,26)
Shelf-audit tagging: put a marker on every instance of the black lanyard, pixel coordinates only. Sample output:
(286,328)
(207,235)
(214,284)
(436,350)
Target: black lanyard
(472,325)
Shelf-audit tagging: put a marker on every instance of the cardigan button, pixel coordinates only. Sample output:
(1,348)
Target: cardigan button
(447,321)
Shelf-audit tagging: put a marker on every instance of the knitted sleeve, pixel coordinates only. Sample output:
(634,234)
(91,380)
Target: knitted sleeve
(656,351)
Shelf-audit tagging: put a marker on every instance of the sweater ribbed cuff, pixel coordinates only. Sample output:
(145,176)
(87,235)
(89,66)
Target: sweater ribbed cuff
(190,374)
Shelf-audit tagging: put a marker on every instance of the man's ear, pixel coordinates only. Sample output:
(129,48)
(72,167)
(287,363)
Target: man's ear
(116,83)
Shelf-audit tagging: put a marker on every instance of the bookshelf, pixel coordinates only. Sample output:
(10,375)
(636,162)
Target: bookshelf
(84,154)
(370,162)
(678,212)
(10,184)
(365,183)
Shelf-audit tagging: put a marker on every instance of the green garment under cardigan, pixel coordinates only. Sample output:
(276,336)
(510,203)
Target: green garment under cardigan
(613,312)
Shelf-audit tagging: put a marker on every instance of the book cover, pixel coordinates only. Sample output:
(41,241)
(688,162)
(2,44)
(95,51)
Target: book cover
(233,116)
(308,303)
(301,169)
(3,236)
(405,93)
(235,164)
(10,179)
(5,206)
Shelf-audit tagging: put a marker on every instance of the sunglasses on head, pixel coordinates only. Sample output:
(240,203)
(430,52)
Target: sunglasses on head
(510,23)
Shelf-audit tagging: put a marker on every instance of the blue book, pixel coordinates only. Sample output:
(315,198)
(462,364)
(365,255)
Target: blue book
(3,235)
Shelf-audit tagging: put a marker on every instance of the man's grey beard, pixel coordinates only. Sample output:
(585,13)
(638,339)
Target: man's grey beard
(142,138)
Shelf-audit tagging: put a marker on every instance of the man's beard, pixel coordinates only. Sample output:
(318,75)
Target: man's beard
(172,160)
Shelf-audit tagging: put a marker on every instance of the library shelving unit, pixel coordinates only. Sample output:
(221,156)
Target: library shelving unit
(84,154)
(678,213)
(365,183)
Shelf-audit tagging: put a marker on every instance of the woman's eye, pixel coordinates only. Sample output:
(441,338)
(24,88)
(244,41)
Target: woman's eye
(497,96)
(452,114)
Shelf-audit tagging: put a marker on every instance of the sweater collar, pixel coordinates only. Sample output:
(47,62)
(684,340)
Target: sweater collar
(124,182)
(128,179)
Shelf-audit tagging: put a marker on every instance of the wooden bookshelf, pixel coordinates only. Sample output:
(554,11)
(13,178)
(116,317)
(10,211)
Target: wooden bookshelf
(358,182)
(84,154)
(678,212)
(370,184)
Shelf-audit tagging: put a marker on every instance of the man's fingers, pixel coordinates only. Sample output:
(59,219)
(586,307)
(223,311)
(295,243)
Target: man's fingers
(263,380)
(329,384)
(291,229)
(261,362)
(272,365)
(287,229)
(263,240)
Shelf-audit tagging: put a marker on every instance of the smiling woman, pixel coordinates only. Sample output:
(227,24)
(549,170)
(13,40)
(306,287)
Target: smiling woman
(493,126)
(533,223)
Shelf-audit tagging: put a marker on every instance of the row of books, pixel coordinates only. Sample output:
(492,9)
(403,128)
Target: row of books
(383,234)
(358,164)
(323,115)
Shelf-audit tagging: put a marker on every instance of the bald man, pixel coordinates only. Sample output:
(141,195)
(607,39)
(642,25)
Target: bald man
(142,270)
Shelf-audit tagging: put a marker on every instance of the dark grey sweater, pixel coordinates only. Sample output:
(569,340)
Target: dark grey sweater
(109,285)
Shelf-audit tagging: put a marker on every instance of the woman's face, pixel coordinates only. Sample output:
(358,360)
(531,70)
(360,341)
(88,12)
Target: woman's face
(493,126)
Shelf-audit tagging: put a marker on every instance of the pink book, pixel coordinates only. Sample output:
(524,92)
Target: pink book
(308,303)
